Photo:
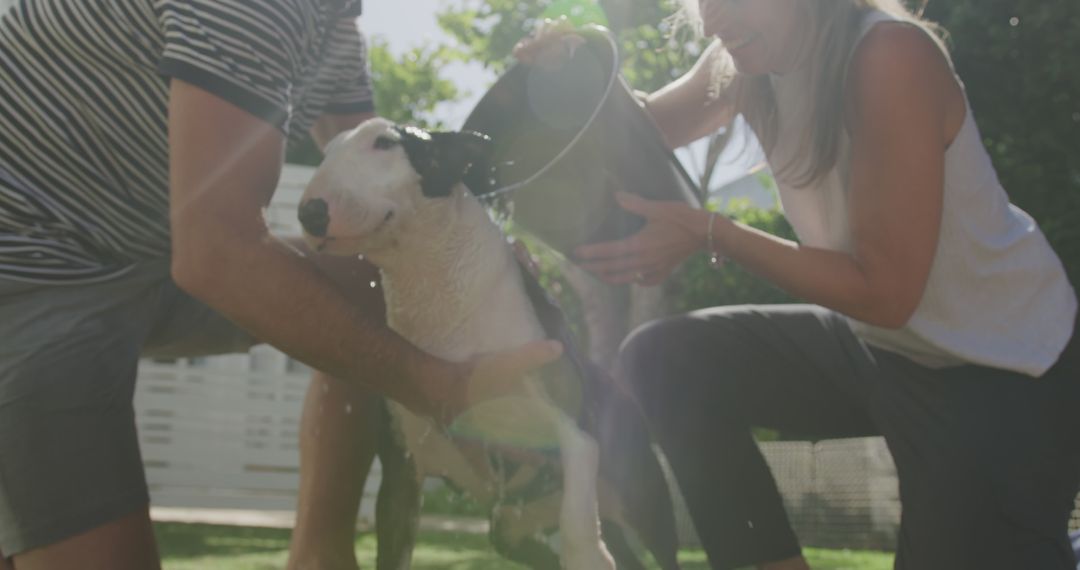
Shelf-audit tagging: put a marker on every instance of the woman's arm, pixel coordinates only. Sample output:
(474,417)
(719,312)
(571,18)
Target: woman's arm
(683,110)
(902,117)
(902,95)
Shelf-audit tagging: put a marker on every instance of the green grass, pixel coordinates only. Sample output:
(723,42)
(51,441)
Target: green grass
(202,547)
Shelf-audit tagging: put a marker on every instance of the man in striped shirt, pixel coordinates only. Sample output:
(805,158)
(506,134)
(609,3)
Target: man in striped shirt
(139,141)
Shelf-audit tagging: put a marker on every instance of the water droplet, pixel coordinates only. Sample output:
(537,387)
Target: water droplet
(348,408)
(373,284)
(360,257)
(1014,21)
(750,524)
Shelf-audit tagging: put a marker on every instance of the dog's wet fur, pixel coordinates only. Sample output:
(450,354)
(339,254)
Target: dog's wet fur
(401,197)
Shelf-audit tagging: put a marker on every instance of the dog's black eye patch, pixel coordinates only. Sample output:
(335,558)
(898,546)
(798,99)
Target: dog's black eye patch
(383,142)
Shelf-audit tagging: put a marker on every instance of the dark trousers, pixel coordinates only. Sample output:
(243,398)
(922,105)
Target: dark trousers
(988,460)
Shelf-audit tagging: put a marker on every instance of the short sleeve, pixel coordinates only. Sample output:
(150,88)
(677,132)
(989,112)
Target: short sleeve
(351,71)
(352,8)
(247,53)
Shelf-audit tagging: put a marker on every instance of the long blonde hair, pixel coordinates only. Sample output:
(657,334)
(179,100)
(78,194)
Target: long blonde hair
(838,24)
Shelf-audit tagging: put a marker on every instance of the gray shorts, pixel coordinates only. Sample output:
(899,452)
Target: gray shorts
(69,453)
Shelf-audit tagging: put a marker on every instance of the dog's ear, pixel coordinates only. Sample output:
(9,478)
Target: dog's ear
(479,176)
(445,159)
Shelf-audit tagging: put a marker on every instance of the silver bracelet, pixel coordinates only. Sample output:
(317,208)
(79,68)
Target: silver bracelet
(716,261)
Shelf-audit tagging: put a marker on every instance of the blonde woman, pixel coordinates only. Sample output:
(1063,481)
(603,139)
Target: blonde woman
(940,316)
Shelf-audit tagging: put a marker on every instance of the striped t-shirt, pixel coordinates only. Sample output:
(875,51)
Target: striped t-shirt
(84,157)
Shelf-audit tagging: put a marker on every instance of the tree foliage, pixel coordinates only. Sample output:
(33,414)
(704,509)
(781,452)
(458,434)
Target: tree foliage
(408,88)
(488,30)
(1020,63)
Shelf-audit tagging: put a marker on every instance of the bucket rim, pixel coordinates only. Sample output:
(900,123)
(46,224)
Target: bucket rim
(600,36)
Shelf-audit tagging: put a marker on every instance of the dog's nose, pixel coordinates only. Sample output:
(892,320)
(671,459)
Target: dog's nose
(315,217)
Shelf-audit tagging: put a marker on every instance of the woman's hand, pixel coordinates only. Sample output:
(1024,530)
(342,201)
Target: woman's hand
(673,231)
(553,42)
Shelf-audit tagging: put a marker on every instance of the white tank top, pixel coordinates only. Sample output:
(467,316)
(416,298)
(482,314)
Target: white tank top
(997,294)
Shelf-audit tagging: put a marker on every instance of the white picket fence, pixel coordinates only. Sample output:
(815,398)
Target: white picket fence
(838,493)
(222,432)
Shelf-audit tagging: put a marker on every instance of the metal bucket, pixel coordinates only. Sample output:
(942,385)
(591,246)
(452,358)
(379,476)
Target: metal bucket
(533,114)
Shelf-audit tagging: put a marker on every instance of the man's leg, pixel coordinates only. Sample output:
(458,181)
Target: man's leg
(338,436)
(339,423)
(338,428)
(122,544)
(72,490)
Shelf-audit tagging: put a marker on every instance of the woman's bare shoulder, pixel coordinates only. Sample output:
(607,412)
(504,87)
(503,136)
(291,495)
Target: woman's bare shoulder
(899,63)
(899,45)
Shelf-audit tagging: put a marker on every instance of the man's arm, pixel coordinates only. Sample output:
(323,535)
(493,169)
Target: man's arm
(224,167)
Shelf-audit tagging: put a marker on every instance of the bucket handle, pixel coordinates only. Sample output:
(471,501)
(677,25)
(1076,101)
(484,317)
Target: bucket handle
(588,123)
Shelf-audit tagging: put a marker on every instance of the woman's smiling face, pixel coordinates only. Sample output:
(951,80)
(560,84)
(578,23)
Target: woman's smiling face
(763,36)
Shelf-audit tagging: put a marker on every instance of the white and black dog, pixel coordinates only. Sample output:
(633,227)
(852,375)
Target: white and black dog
(401,197)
